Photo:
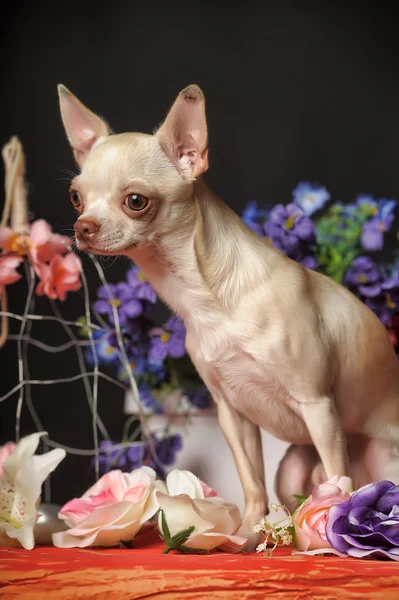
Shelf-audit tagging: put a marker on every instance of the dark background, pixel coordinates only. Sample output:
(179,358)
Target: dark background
(295,91)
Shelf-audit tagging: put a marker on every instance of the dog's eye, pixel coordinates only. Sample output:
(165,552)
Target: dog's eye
(75,198)
(136,202)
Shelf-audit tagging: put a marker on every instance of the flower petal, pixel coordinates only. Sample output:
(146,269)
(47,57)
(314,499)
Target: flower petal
(181,512)
(35,471)
(24,450)
(23,534)
(184,482)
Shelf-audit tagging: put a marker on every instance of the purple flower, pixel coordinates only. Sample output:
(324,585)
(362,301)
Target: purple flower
(137,364)
(165,449)
(373,231)
(148,400)
(368,523)
(363,277)
(123,298)
(142,288)
(112,456)
(292,232)
(310,197)
(386,304)
(169,341)
(252,215)
(379,292)
(199,398)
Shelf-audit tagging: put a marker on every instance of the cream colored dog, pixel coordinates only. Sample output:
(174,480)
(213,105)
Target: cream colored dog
(278,346)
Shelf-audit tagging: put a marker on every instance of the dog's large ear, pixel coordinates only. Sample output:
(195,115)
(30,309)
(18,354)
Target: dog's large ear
(184,134)
(83,127)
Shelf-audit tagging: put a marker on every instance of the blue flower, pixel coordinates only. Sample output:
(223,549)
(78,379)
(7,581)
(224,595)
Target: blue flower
(311,197)
(148,399)
(367,204)
(252,215)
(138,366)
(373,231)
(107,353)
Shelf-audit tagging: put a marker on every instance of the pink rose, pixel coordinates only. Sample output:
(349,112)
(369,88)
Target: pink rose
(8,266)
(59,277)
(310,518)
(112,510)
(5,452)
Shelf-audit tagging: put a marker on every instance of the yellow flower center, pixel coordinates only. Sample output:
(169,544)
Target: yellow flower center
(110,350)
(19,244)
(165,337)
(310,198)
(289,223)
(374,210)
(389,303)
(381,227)
(132,365)
(362,278)
(114,302)
(141,277)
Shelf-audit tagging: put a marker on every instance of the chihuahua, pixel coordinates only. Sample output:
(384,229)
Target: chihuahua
(279,347)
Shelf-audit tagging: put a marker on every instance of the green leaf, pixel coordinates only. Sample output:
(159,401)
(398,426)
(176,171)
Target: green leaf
(301,499)
(179,538)
(165,529)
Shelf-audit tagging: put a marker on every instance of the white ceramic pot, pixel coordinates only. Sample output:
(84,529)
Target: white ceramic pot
(205,451)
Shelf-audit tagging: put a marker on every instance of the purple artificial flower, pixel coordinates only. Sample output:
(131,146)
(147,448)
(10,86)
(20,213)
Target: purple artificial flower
(138,366)
(311,197)
(142,288)
(111,457)
(148,400)
(288,227)
(165,449)
(169,341)
(292,232)
(386,304)
(200,398)
(373,231)
(368,523)
(379,292)
(123,298)
(251,215)
(363,277)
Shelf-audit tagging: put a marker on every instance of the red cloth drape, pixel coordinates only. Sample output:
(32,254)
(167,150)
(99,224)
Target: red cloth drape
(46,573)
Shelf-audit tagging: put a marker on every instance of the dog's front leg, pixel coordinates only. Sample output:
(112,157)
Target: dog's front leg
(323,423)
(245,442)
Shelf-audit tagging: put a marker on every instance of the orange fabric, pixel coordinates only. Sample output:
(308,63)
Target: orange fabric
(46,573)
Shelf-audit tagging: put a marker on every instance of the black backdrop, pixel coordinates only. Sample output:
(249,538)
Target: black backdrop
(295,91)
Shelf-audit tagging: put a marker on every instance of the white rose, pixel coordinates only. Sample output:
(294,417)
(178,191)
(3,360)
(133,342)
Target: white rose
(188,502)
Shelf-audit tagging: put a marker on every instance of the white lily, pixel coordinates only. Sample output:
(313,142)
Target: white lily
(20,488)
